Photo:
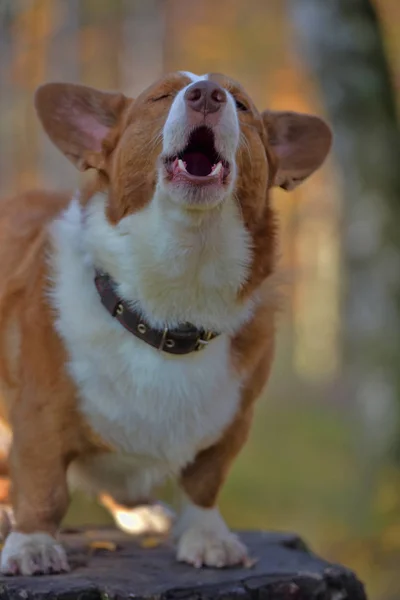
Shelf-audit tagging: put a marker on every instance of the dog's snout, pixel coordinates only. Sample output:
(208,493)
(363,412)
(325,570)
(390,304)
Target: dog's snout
(205,97)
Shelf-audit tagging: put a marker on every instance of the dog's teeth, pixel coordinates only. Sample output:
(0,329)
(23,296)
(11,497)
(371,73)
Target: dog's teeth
(216,169)
(182,165)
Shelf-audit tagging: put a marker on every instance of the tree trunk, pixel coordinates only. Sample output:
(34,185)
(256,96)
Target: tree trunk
(343,46)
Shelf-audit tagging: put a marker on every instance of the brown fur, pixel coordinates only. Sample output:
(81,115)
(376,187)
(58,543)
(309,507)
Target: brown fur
(253,349)
(122,143)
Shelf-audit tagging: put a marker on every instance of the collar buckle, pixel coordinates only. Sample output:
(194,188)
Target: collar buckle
(203,340)
(183,340)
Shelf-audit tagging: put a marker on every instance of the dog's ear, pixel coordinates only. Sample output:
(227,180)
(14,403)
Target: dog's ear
(79,120)
(300,143)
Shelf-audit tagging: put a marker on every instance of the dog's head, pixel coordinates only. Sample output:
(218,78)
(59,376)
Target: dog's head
(196,140)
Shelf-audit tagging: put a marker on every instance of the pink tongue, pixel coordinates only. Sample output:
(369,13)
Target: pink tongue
(197,163)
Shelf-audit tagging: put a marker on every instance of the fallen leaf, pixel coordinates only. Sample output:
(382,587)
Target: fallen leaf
(90,533)
(102,545)
(150,541)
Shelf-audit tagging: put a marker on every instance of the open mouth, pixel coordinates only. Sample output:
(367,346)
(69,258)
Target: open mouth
(198,163)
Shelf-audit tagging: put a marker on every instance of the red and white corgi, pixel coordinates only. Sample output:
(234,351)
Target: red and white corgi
(137,314)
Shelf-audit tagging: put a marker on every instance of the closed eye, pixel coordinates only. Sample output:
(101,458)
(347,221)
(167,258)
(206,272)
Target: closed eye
(241,106)
(161,97)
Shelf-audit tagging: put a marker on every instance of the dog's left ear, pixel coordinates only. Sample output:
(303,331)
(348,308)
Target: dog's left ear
(300,143)
(80,120)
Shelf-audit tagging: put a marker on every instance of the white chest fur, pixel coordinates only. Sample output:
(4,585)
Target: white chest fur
(140,400)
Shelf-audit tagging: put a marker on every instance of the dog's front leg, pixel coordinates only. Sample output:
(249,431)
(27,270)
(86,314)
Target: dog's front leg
(40,500)
(203,537)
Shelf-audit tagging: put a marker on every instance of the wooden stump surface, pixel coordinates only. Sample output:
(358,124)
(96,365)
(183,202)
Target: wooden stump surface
(110,565)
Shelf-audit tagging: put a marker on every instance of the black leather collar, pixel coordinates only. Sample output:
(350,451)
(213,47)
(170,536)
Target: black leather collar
(182,340)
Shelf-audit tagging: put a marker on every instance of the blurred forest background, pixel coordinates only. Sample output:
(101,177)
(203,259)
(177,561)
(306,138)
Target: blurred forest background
(324,455)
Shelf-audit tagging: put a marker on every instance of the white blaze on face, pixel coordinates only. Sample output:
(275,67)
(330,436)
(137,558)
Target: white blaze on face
(177,128)
(193,77)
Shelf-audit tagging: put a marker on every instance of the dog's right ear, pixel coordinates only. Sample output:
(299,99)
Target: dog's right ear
(79,119)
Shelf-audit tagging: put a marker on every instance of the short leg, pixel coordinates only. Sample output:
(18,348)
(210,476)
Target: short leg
(47,429)
(203,536)
(40,500)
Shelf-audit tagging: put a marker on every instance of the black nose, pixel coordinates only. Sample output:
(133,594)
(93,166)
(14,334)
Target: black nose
(205,96)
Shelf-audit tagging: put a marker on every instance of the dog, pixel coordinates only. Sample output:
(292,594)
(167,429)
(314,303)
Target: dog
(137,315)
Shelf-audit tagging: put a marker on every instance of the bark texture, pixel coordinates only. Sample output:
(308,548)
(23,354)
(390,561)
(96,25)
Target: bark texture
(286,570)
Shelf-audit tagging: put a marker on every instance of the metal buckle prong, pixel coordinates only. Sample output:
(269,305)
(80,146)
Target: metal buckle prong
(164,337)
(202,342)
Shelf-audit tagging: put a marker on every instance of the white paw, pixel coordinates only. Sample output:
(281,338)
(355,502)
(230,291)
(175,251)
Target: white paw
(202,548)
(204,539)
(29,554)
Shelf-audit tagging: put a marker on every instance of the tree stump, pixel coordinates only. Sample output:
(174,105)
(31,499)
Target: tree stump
(110,565)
